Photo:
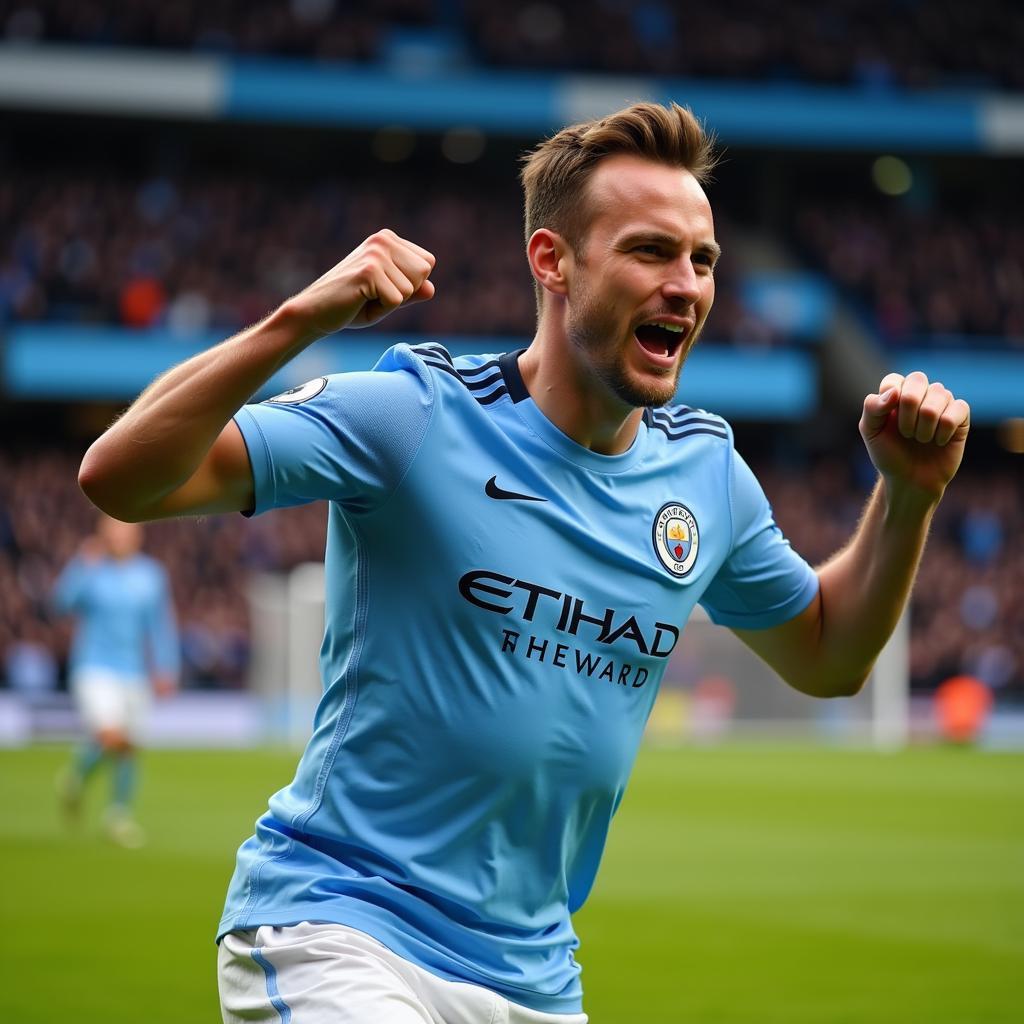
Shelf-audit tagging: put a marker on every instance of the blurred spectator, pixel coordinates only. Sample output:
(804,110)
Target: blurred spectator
(47,517)
(29,664)
(142,302)
(962,705)
(982,534)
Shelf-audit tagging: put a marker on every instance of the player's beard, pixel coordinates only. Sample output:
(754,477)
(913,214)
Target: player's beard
(588,331)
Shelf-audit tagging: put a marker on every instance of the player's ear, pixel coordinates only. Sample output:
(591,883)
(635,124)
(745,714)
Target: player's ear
(549,255)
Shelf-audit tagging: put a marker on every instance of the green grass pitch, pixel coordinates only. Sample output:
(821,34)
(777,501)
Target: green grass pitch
(742,884)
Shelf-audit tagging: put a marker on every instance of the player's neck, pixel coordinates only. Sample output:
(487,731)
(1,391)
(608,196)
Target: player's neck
(566,391)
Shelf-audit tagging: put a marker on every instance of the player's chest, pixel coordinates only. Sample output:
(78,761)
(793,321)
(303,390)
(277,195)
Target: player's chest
(122,592)
(543,538)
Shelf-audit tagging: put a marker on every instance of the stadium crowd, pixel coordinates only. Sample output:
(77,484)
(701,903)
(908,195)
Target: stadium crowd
(44,518)
(939,272)
(217,254)
(968,611)
(317,29)
(871,43)
(208,253)
(214,252)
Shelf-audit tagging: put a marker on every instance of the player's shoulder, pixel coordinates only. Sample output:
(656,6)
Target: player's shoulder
(676,425)
(149,567)
(477,376)
(398,374)
(404,383)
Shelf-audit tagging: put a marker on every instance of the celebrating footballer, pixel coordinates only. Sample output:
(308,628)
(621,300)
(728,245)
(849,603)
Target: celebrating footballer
(516,541)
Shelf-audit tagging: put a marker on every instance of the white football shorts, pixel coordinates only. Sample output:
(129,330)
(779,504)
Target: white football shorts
(331,974)
(107,700)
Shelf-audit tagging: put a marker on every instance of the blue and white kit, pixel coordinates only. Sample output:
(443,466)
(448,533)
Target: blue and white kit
(501,604)
(126,624)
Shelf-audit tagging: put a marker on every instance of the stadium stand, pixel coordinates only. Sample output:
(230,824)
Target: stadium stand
(933,274)
(199,228)
(870,44)
(196,254)
(874,44)
(199,254)
(303,28)
(978,539)
(43,519)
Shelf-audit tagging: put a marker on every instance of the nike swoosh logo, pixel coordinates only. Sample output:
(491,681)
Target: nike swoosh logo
(494,491)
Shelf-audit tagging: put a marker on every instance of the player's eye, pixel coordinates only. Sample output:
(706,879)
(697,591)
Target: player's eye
(649,249)
(704,258)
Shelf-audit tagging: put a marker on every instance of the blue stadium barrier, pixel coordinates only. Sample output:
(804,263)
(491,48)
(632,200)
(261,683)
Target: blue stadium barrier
(205,87)
(992,383)
(74,363)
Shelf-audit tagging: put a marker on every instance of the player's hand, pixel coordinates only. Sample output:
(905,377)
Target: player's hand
(915,433)
(383,273)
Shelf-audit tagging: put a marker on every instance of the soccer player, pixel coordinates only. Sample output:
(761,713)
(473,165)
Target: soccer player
(515,543)
(125,644)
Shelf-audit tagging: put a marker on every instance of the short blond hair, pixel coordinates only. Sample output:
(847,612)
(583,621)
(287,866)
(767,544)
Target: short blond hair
(555,174)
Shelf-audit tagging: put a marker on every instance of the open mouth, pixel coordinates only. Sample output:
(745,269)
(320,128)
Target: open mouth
(660,340)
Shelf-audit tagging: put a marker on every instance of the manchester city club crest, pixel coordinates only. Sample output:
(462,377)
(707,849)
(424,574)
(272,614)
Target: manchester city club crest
(676,538)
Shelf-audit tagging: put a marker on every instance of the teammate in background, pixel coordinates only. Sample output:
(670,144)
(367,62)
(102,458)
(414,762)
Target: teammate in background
(515,543)
(125,645)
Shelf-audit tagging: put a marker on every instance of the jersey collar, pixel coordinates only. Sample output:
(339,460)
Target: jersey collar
(562,444)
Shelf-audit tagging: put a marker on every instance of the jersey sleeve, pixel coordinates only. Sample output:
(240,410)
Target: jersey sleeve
(348,438)
(763,581)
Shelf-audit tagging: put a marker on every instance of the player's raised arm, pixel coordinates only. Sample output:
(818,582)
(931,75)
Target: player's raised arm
(915,432)
(176,451)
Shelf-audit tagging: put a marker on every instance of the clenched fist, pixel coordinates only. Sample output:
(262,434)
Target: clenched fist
(915,432)
(383,273)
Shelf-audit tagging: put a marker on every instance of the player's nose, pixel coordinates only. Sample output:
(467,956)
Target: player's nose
(681,282)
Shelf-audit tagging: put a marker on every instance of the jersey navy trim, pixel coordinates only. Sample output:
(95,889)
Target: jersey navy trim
(509,363)
(678,435)
(433,348)
(474,371)
(482,385)
(677,420)
(486,389)
(680,421)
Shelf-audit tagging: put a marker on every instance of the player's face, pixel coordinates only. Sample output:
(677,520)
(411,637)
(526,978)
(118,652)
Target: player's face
(643,284)
(122,539)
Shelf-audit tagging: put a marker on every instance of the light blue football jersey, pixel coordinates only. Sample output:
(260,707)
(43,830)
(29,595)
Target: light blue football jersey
(501,604)
(125,619)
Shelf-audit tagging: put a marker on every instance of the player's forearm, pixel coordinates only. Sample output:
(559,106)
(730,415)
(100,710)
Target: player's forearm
(865,587)
(160,441)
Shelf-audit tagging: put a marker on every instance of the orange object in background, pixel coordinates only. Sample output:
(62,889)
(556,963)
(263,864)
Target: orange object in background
(962,706)
(142,302)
